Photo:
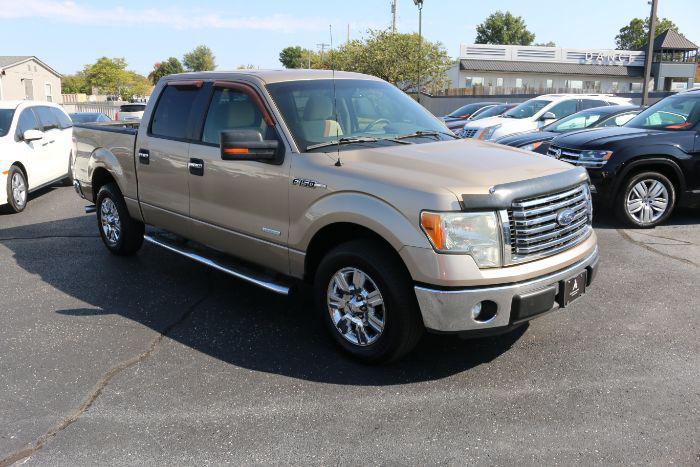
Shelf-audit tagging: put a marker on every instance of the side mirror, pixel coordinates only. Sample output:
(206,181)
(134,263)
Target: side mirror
(247,145)
(548,116)
(32,135)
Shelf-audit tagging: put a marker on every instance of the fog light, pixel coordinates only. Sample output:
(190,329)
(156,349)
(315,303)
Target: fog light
(476,311)
(484,312)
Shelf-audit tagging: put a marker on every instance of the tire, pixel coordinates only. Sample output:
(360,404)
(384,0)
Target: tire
(646,200)
(17,190)
(121,234)
(392,324)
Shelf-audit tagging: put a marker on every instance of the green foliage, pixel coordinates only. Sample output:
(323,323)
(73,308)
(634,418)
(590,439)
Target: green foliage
(545,44)
(75,84)
(635,34)
(295,57)
(170,66)
(504,28)
(106,74)
(134,85)
(199,59)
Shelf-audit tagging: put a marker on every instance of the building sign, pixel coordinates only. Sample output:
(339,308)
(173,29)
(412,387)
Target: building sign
(610,58)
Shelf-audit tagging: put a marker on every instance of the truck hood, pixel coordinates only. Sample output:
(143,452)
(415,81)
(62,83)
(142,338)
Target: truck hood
(462,166)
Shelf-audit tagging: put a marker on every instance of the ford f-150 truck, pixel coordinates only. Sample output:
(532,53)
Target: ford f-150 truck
(343,181)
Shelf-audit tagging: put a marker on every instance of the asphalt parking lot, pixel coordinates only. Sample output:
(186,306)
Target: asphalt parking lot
(155,359)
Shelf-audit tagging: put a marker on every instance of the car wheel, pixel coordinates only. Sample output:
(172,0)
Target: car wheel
(367,301)
(646,200)
(17,189)
(121,234)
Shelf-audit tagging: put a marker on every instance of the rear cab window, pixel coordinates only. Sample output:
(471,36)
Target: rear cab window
(173,112)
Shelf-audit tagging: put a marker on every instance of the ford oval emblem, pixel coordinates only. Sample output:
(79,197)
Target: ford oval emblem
(557,153)
(565,217)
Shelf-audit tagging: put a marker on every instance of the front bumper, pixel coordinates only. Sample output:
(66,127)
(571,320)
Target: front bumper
(450,310)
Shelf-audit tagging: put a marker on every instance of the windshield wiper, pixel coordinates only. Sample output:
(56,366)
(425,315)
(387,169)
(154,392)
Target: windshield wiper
(341,142)
(421,133)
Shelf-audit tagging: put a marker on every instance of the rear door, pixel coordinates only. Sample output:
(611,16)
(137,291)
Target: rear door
(54,163)
(163,155)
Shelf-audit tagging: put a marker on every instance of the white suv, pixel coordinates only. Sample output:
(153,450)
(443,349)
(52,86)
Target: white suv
(36,142)
(535,113)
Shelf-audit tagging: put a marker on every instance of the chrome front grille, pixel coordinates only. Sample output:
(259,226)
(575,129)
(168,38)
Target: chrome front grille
(469,132)
(572,157)
(547,225)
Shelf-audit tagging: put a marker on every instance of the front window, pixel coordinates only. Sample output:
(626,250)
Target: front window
(576,121)
(673,113)
(231,109)
(5,120)
(618,120)
(527,109)
(492,111)
(563,109)
(321,111)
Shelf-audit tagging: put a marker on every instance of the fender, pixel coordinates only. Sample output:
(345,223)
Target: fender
(641,160)
(357,208)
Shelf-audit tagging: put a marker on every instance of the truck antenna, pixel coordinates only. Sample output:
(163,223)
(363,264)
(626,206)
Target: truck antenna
(335,97)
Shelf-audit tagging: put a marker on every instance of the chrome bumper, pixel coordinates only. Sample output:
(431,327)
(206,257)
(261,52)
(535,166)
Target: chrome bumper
(450,310)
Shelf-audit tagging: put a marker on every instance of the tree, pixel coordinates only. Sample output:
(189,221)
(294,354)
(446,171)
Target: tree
(134,85)
(199,59)
(106,74)
(75,84)
(635,35)
(170,66)
(545,44)
(504,28)
(293,57)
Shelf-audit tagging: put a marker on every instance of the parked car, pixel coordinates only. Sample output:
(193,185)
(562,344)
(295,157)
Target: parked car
(88,117)
(133,111)
(598,117)
(352,186)
(36,140)
(455,120)
(646,167)
(536,113)
(486,112)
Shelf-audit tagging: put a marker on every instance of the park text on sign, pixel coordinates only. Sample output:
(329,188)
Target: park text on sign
(609,58)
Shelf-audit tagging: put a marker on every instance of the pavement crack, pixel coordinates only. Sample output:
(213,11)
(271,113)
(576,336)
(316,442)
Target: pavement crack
(99,387)
(647,247)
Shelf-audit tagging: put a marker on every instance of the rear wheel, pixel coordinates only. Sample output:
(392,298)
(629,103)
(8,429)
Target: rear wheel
(366,299)
(121,234)
(646,200)
(17,189)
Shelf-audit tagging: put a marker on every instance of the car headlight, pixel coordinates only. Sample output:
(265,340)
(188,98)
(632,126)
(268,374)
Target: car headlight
(598,157)
(532,146)
(473,233)
(487,133)
(589,201)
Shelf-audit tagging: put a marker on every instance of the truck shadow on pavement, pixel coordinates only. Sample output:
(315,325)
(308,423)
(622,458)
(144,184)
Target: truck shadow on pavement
(212,313)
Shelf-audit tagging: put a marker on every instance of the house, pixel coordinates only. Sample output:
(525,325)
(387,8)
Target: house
(27,77)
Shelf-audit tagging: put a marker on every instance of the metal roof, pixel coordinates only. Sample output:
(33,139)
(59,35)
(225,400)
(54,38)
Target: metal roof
(551,68)
(671,39)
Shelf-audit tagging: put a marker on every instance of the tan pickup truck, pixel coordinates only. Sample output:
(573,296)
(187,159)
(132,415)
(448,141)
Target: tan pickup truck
(345,182)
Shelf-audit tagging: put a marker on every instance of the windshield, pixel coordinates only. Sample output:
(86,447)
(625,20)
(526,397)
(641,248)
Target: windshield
(527,109)
(5,120)
(494,111)
(361,109)
(465,110)
(84,117)
(575,121)
(673,113)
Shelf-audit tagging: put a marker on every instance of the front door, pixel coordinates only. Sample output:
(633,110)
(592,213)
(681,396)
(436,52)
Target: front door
(32,154)
(239,207)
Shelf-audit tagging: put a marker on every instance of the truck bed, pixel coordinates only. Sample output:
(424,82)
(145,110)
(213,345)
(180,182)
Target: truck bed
(130,128)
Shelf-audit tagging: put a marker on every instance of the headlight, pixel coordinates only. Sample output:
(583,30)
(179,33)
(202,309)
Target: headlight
(589,201)
(532,146)
(594,158)
(473,233)
(487,133)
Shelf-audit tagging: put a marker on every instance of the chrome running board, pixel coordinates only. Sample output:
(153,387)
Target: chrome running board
(224,264)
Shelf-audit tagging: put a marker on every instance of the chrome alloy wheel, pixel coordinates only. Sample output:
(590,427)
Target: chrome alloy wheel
(647,201)
(19,189)
(110,222)
(356,306)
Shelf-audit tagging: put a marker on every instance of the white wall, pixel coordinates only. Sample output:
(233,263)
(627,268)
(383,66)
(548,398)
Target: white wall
(13,84)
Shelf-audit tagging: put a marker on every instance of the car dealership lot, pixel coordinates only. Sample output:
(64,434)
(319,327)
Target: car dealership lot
(174,363)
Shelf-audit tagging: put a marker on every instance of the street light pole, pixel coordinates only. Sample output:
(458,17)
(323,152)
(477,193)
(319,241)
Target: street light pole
(419,4)
(650,52)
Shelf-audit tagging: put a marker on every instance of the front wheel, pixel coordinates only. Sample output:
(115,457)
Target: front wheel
(17,189)
(366,299)
(646,200)
(121,234)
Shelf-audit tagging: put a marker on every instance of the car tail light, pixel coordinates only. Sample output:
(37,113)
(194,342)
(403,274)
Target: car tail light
(116,116)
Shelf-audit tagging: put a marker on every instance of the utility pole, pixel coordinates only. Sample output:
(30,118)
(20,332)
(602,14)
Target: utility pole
(394,5)
(348,41)
(650,52)
(323,46)
(419,4)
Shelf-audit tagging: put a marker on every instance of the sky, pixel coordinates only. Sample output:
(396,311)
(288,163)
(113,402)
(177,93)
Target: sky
(68,34)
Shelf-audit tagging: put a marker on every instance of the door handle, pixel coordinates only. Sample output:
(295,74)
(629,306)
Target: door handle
(196,167)
(144,156)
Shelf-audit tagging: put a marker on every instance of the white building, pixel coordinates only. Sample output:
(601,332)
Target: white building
(513,69)
(27,77)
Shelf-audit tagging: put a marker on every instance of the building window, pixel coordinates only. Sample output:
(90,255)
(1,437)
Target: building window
(592,86)
(549,84)
(499,82)
(474,81)
(574,84)
(47,91)
(614,86)
(29,67)
(520,83)
(635,87)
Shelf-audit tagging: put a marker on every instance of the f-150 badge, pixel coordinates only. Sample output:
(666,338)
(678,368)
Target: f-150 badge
(307,183)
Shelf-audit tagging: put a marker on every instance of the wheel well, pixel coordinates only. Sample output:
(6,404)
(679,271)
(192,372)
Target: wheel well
(336,234)
(100,178)
(23,169)
(655,166)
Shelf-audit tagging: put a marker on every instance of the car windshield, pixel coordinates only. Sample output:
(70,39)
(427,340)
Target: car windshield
(465,111)
(84,117)
(5,120)
(494,111)
(575,121)
(674,113)
(319,112)
(527,109)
